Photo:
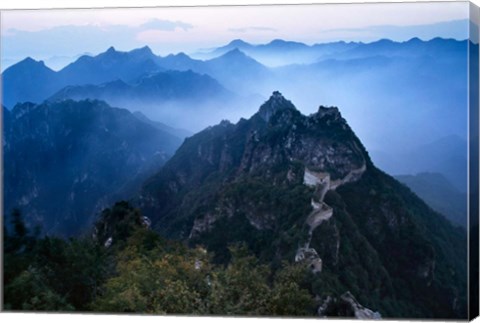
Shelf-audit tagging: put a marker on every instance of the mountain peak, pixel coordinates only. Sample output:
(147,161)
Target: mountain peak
(280,43)
(328,111)
(110,53)
(31,62)
(180,55)
(238,42)
(143,50)
(235,53)
(276,102)
(383,41)
(415,40)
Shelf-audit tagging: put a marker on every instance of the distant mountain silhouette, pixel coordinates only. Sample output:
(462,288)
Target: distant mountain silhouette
(414,47)
(32,81)
(180,133)
(181,62)
(151,88)
(439,194)
(234,69)
(110,65)
(28,80)
(274,45)
(237,71)
(447,156)
(170,96)
(390,85)
(234,44)
(279,51)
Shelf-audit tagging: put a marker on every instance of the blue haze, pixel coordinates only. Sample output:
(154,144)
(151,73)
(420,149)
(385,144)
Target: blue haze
(405,100)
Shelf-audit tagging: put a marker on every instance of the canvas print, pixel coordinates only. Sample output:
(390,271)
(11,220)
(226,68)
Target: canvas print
(273,160)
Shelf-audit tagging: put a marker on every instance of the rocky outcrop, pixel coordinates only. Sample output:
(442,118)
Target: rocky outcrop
(276,103)
(202,224)
(146,222)
(359,311)
(347,306)
(108,243)
(310,256)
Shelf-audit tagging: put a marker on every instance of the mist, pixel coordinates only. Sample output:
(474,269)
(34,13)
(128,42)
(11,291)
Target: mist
(406,101)
(396,96)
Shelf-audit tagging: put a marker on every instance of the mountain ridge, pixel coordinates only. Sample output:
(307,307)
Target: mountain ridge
(383,72)
(161,86)
(67,160)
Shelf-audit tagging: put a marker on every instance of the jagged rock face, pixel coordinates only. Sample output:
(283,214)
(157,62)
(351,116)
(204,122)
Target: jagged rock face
(65,162)
(310,256)
(346,306)
(277,139)
(294,187)
(290,136)
(277,102)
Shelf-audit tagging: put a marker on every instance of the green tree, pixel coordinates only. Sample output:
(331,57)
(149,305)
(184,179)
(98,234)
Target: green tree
(161,278)
(29,292)
(17,247)
(241,288)
(288,296)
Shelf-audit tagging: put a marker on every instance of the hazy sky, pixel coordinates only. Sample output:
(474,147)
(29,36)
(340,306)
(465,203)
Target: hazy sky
(43,34)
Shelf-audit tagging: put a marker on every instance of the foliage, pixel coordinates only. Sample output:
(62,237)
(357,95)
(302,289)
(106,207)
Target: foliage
(29,292)
(170,278)
(51,273)
(144,274)
(280,209)
(422,255)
